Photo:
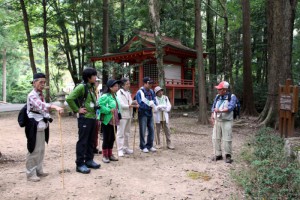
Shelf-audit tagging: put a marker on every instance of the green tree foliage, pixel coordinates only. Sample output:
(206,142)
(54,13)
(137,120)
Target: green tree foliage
(80,23)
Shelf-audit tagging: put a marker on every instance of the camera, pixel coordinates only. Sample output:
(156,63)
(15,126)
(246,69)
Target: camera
(48,120)
(96,108)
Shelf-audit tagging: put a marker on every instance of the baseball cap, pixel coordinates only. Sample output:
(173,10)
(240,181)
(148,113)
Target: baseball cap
(157,89)
(223,84)
(148,80)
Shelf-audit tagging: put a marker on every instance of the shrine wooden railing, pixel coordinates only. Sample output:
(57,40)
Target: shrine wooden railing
(179,83)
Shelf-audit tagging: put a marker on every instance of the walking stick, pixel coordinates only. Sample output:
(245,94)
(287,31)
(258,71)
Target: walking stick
(154,126)
(163,128)
(114,122)
(135,125)
(99,138)
(214,129)
(62,151)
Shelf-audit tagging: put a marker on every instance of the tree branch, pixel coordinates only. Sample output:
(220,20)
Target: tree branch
(217,13)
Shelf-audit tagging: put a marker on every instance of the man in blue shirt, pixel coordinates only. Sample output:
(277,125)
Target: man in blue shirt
(222,119)
(145,97)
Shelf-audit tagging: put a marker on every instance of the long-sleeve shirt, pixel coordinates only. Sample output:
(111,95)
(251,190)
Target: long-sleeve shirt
(162,115)
(37,104)
(125,100)
(221,102)
(149,96)
(90,101)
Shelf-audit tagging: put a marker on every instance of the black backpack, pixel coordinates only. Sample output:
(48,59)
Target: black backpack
(237,108)
(23,117)
(81,101)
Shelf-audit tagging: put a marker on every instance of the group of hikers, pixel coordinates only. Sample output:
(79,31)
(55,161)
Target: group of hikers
(112,110)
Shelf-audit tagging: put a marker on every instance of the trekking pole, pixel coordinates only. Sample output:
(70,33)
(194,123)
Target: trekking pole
(62,151)
(114,124)
(135,125)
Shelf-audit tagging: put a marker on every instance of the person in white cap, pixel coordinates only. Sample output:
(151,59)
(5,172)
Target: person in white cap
(222,119)
(162,116)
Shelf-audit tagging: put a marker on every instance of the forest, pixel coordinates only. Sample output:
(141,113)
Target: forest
(251,44)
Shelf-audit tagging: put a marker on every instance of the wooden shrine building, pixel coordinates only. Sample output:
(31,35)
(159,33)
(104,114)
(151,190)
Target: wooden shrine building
(139,55)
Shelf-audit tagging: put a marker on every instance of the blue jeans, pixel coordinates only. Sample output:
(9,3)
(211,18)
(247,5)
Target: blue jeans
(146,122)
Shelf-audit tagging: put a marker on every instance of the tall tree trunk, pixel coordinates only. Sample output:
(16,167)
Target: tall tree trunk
(68,50)
(29,42)
(45,42)
(289,11)
(248,97)
(269,115)
(105,43)
(4,75)
(227,46)
(281,16)
(185,33)
(211,49)
(123,22)
(154,9)
(202,117)
(91,32)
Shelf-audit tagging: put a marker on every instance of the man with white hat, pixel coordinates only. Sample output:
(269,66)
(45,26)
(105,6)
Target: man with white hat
(222,118)
(162,116)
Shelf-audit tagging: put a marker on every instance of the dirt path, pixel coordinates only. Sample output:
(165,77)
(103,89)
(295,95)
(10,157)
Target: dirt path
(184,173)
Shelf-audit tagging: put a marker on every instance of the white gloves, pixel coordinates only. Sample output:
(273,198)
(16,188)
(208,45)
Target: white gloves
(151,104)
(161,107)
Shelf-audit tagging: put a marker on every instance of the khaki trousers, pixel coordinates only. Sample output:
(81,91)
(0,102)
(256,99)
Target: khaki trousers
(166,131)
(123,132)
(222,130)
(34,160)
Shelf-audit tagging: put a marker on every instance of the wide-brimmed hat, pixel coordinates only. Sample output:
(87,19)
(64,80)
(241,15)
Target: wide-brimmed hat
(157,89)
(111,82)
(222,85)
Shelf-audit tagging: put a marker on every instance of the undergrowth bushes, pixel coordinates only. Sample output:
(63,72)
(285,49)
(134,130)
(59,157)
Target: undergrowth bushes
(267,173)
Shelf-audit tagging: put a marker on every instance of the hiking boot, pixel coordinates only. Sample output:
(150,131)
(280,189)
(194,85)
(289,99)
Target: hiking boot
(42,174)
(228,158)
(158,146)
(152,149)
(33,178)
(113,158)
(171,147)
(128,151)
(215,158)
(145,150)
(105,160)
(92,164)
(83,169)
(120,153)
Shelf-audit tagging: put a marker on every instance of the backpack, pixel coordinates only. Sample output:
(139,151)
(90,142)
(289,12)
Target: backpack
(23,117)
(80,102)
(237,108)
